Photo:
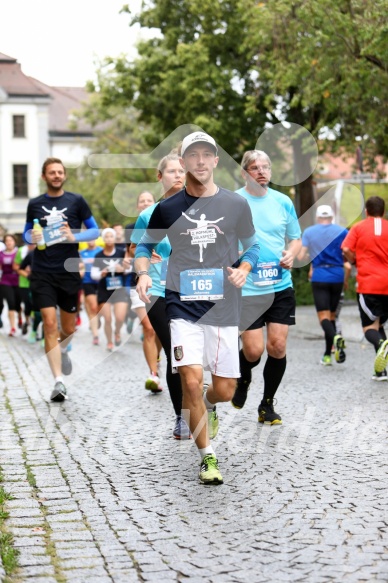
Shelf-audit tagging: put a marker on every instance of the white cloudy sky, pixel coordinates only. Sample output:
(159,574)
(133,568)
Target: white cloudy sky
(58,43)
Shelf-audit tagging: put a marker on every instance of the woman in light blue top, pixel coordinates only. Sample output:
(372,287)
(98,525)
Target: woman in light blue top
(172,177)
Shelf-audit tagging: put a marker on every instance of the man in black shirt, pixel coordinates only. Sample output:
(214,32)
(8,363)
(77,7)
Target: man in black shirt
(55,279)
(204,224)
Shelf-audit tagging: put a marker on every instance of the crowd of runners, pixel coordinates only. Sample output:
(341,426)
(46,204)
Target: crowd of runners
(208,273)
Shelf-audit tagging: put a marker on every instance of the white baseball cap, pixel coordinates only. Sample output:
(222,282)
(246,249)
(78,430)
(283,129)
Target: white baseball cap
(324,211)
(197,138)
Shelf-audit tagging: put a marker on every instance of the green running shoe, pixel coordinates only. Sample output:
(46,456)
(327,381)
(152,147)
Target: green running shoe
(339,352)
(380,376)
(32,337)
(381,360)
(212,417)
(153,384)
(209,472)
(213,423)
(326,360)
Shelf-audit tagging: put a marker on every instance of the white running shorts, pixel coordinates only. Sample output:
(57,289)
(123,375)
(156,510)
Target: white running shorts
(135,300)
(213,347)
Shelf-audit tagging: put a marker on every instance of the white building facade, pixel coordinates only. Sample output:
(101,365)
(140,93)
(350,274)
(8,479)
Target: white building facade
(34,124)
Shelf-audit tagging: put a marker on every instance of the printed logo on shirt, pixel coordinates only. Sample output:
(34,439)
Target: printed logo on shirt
(54,215)
(204,233)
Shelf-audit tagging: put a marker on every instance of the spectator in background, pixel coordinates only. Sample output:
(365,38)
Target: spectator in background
(172,177)
(268,296)
(366,246)
(151,343)
(25,271)
(323,243)
(9,281)
(55,278)
(24,284)
(89,287)
(120,236)
(108,272)
(2,247)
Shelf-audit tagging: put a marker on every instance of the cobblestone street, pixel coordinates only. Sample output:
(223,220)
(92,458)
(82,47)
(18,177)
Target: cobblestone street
(102,492)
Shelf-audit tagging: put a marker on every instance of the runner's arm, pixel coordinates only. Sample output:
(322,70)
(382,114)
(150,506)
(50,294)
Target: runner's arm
(154,233)
(238,273)
(251,252)
(92,231)
(347,270)
(349,254)
(302,255)
(26,233)
(89,234)
(290,253)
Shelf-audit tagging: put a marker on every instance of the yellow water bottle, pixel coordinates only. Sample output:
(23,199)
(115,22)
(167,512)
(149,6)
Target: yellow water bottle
(41,244)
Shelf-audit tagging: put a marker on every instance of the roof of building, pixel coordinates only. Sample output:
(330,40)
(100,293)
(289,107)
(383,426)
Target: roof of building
(14,82)
(63,101)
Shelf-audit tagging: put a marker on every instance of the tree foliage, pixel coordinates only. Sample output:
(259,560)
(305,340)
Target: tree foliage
(323,65)
(234,67)
(121,133)
(193,72)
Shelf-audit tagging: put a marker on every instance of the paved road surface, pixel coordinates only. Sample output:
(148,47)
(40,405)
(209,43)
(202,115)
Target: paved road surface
(103,493)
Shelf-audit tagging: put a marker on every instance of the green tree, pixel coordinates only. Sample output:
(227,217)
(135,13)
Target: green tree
(233,67)
(118,131)
(192,73)
(323,66)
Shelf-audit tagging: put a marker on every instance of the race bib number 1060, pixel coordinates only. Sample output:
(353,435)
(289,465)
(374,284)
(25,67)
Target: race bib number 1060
(267,273)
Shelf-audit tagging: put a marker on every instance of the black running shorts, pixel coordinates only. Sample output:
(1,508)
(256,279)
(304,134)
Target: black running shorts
(278,307)
(372,306)
(326,295)
(90,289)
(112,296)
(55,289)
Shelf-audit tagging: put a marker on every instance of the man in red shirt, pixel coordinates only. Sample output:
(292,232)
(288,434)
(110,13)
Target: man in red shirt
(366,245)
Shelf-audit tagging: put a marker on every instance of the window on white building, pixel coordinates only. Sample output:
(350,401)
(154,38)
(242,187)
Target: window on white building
(19,128)
(20,182)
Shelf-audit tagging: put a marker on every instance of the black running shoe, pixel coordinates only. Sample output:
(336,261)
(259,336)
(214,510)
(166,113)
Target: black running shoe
(67,367)
(24,328)
(59,393)
(267,414)
(240,396)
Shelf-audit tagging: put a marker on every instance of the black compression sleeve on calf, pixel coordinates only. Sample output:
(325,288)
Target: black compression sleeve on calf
(329,335)
(246,367)
(374,337)
(382,333)
(273,373)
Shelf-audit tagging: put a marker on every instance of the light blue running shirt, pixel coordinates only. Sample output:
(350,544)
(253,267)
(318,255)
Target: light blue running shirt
(275,221)
(157,271)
